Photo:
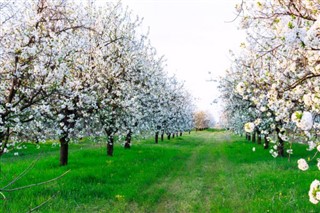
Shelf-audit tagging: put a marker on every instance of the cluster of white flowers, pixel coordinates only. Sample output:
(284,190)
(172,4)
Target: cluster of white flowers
(313,38)
(273,152)
(240,88)
(303,120)
(303,165)
(249,127)
(314,192)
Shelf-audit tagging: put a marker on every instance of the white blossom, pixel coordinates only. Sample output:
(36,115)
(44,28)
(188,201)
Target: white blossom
(240,88)
(313,192)
(249,127)
(303,165)
(306,121)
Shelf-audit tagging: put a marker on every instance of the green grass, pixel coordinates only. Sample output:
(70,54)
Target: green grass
(215,130)
(206,171)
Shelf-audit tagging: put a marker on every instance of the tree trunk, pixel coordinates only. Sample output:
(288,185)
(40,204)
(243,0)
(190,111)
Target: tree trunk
(156,137)
(280,146)
(169,135)
(249,137)
(259,136)
(266,142)
(254,136)
(162,135)
(4,138)
(2,143)
(189,132)
(110,146)
(180,133)
(173,135)
(127,144)
(64,140)
(64,146)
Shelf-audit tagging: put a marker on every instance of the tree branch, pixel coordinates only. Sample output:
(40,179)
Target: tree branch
(35,184)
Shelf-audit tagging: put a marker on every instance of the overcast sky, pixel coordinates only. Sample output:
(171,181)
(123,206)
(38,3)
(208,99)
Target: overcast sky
(195,36)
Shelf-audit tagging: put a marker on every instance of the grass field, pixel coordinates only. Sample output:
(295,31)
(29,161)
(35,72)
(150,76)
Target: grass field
(205,171)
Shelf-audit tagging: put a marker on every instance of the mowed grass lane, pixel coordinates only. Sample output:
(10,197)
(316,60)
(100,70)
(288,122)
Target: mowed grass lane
(201,172)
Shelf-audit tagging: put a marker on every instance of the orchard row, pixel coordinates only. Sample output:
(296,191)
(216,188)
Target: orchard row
(273,85)
(73,69)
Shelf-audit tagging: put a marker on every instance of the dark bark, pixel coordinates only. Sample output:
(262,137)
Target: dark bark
(110,146)
(168,135)
(189,132)
(266,142)
(156,139)
(253,136)
(64,140)
(127,144)
(173,135)
(281,145)
(180,133)
(2,135)
(2,138)
(249,137)
(162,135)
(259,137)
(64,146)
(281,148)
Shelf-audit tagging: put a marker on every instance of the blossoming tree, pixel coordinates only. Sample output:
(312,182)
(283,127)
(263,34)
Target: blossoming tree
(279,68)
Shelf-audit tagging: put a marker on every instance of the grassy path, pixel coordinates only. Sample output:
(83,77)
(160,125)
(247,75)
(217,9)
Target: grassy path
(201,172)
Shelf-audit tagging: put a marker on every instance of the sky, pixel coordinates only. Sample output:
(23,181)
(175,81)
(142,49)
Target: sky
(195,37)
